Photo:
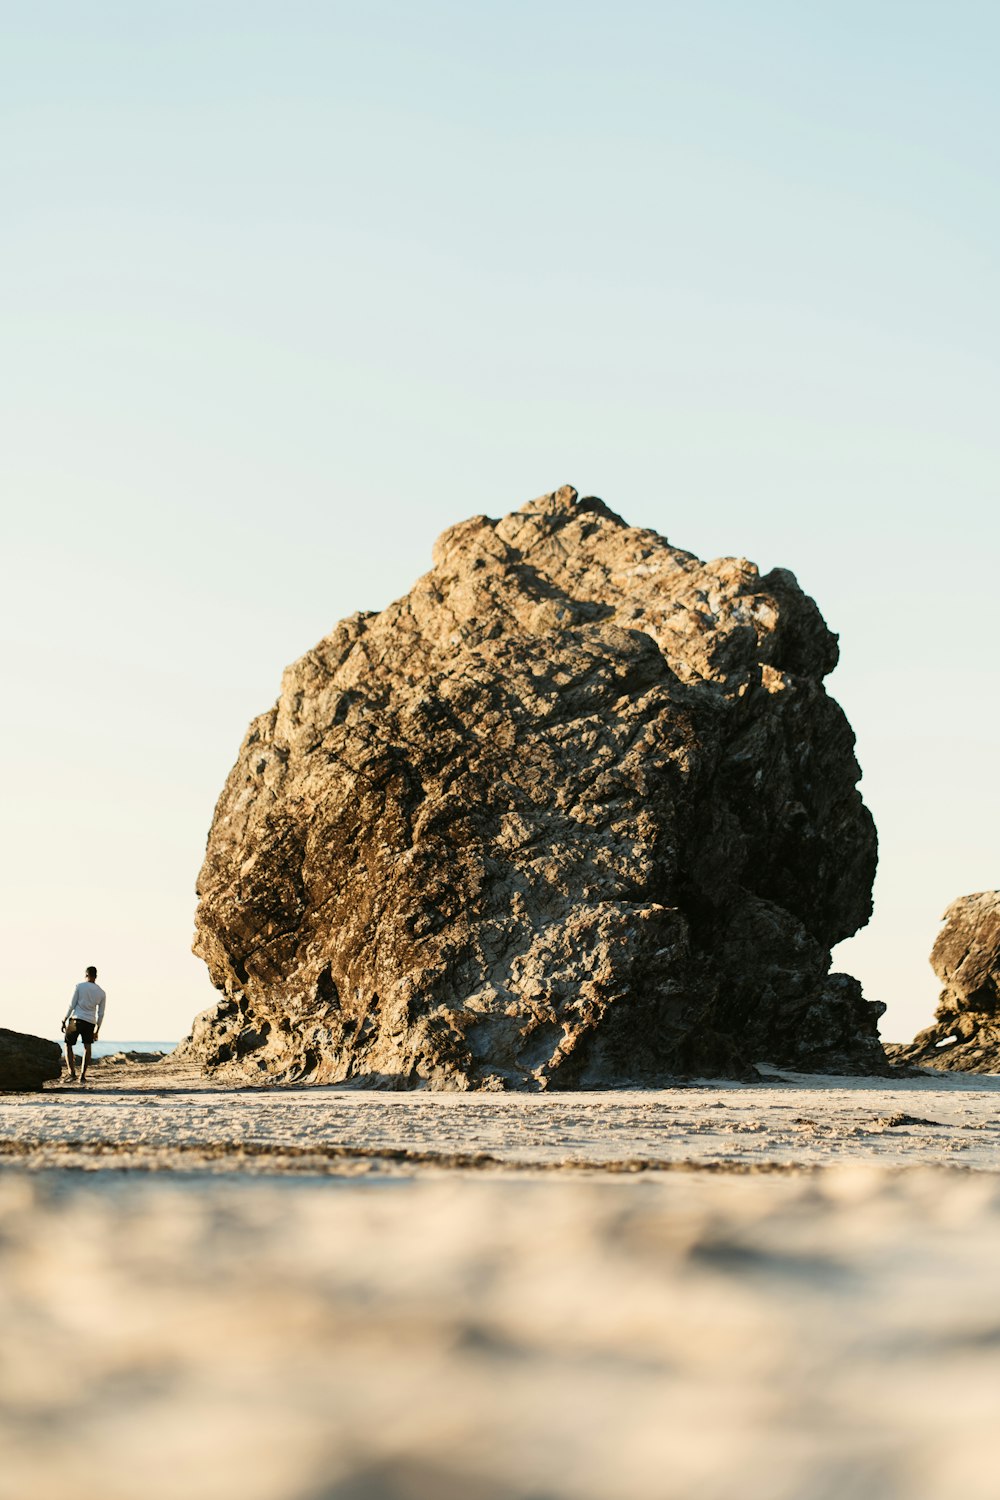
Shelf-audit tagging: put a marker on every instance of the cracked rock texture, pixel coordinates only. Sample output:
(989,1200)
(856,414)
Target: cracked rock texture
(966,958)
(26,1062)
(576,811)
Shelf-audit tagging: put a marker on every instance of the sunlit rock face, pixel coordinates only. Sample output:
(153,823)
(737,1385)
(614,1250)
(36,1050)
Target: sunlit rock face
(575,812)
(966,958)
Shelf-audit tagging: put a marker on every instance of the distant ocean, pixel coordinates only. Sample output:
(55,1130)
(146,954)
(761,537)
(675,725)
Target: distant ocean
(105,1049)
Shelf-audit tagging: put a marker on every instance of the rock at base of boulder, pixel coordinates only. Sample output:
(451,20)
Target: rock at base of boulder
(965,1036)
(26,1062)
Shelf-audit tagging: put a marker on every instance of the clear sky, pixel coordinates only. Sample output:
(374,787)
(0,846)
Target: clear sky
(290,287)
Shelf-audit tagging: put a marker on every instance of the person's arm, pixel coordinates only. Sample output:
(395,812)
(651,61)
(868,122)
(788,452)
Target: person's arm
(71,1005)
(100,1014)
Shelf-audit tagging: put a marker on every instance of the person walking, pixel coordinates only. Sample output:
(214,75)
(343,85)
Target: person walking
(83,1020)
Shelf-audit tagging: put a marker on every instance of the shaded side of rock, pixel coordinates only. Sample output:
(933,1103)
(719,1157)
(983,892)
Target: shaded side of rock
(575,812)
(26,1062)
(965,1035)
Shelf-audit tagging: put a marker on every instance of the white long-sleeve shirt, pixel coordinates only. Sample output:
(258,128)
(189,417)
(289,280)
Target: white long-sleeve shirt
(87,1003)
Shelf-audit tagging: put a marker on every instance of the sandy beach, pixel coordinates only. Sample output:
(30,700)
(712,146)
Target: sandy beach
(169,1115)
(771,1291)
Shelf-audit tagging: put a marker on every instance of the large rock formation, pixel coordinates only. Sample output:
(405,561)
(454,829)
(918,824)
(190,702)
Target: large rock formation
(576,811)
(966,958)
(26,1062)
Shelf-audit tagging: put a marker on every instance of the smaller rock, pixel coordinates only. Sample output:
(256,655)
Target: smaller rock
(126,1059)
(965,1036)
(896,1121)
(26,1062)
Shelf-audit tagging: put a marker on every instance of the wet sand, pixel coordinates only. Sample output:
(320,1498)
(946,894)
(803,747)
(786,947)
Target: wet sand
(777,1292)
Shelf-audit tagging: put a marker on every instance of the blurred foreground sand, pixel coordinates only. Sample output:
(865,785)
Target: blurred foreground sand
(345,1325)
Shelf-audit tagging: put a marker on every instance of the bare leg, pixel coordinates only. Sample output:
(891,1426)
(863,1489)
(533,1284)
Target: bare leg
(71,1062)
(86,1062)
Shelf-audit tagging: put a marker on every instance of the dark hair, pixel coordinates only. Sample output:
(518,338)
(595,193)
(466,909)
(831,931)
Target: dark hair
(92,970)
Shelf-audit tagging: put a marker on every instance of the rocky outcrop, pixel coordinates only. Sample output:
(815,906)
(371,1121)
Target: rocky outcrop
(966,958)
(26,1062)
(575,812)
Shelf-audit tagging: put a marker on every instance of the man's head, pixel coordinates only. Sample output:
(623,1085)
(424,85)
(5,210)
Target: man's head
(91,973)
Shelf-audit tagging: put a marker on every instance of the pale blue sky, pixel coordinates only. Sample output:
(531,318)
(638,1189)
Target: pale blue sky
(288,288)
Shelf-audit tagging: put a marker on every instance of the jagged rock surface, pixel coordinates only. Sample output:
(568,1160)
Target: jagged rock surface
(26,1062)
(576,811)
(966,958)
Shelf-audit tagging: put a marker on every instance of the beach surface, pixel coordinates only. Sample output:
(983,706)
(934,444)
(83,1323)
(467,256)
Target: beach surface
(778,1291)
(170,1116)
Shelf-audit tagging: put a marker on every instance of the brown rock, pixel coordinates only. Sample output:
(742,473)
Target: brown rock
(26,1062)
(966,958)
(575,812)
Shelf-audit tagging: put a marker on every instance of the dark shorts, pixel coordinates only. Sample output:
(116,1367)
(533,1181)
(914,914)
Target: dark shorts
(84,1031)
